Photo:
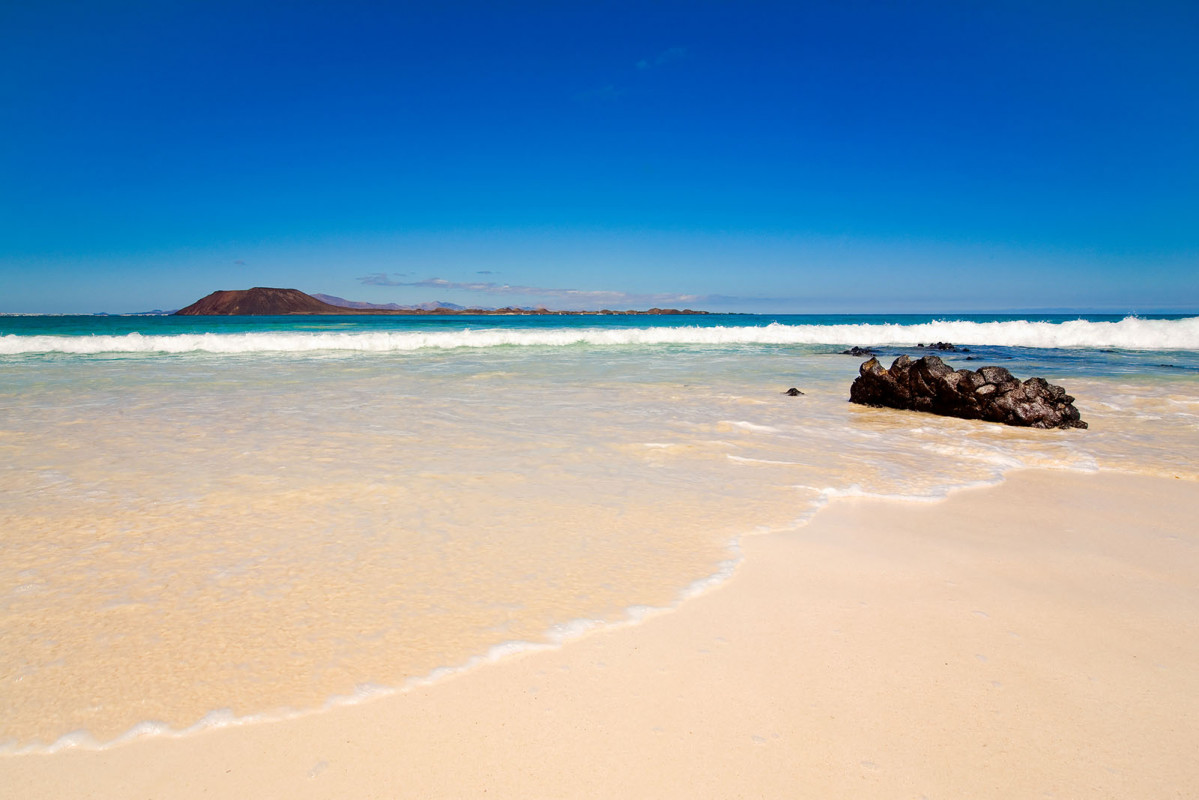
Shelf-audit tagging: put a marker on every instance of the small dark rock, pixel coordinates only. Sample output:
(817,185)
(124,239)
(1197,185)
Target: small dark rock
(860,352)
(793,392)
(991,394)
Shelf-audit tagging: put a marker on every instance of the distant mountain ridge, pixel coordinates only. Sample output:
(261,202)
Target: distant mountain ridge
(430,306)
(265,301)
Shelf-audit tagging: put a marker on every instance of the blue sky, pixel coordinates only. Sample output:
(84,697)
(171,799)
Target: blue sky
(806,157)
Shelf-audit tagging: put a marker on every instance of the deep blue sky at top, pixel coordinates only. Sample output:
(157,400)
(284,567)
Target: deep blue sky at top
(839,156)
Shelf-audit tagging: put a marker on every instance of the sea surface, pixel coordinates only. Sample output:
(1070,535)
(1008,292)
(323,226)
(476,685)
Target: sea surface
(213,521)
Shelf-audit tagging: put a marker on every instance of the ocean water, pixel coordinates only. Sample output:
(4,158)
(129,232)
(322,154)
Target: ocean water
(210,521)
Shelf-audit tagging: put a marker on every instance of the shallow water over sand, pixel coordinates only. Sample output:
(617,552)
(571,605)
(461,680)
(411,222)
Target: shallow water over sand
(256,533)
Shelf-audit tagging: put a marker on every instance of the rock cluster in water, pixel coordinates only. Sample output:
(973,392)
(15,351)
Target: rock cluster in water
(990,393)
(948,346)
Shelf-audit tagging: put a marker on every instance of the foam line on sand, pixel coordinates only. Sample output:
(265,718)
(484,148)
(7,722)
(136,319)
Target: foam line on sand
(1038,638)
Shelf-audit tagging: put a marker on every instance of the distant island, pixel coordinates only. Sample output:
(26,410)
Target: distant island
(263,301)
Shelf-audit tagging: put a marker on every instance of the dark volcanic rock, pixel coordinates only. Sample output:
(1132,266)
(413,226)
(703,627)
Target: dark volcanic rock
(858,351)
(991,393)
(793,392)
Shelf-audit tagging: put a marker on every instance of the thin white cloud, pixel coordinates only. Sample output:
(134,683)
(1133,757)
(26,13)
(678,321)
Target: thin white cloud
(381,279)
(665,57)
(604,93)
(613,92)
(588,296)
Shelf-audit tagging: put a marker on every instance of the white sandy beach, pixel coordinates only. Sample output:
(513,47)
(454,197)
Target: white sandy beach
(1037,639)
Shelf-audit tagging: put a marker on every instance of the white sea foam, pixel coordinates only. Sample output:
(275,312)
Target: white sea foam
(557,636)
(745,460)
(854,491)
(750,426)
(1130,333)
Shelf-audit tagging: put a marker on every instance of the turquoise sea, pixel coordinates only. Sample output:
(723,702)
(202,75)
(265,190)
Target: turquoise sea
(1096,343)
(209,520)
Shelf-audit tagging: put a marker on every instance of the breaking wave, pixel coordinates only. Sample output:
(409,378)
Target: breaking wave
(1130,333)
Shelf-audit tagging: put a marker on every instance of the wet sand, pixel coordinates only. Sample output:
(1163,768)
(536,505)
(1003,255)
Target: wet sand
(1040,638)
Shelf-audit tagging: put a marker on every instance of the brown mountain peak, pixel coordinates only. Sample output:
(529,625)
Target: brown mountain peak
(259,301)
